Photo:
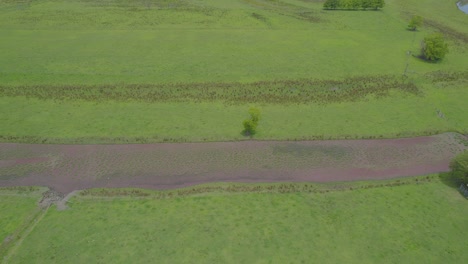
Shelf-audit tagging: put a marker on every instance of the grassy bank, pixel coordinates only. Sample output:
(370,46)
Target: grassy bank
(398,114)
(411,222)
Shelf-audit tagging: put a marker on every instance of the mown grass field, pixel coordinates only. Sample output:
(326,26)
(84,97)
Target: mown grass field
(218,58)
(405,221)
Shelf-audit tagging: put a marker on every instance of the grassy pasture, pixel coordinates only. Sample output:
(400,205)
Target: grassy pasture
(76,42)
(203,63)
(412,222)
(189,55)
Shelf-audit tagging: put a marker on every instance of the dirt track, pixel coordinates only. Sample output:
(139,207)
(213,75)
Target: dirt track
(160,166)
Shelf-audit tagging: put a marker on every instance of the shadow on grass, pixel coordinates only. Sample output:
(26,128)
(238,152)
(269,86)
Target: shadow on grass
(422,58)
(247,134)
(448,179)
(352,10)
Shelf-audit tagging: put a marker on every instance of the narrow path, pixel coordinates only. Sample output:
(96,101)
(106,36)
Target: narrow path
(66,168)
(62,204)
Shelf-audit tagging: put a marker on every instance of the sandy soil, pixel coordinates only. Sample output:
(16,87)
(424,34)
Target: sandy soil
(65,168)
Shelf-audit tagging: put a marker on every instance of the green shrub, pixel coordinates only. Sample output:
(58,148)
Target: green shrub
(250,125)
(434,47)
(415,23)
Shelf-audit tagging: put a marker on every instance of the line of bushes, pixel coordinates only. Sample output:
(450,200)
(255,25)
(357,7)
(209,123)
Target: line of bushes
(353,4)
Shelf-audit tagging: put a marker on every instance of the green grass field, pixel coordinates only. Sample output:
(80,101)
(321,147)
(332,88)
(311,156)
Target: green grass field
(137,71)
(69,42)
(410,223)
(18,206)
(213,44)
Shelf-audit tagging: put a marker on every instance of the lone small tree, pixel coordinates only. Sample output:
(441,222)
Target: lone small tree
(433,47)
(459,168)
(415,23)
(250,125)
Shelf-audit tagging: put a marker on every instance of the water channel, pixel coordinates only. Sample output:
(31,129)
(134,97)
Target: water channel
(463,6)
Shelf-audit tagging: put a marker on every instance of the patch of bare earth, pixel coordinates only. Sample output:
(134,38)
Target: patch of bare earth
(50,197)
(65,168)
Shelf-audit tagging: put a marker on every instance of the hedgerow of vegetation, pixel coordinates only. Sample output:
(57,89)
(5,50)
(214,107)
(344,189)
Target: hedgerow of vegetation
(353,4)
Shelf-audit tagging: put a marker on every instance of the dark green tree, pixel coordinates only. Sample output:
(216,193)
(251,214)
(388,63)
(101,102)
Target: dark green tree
(459,168)
(250,125)
(433,47)
(415,23)
(376,4)
(365,4)
(331,4)
(353,4)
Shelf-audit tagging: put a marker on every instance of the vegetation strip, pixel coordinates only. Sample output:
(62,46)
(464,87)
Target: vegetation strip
(235,188)
(276,92)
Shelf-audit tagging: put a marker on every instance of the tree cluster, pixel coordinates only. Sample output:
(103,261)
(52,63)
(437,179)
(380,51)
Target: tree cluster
(353,4)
